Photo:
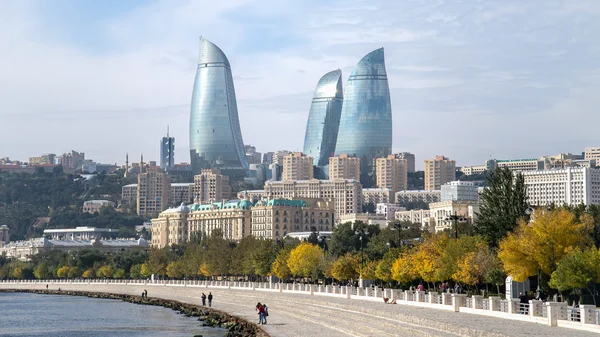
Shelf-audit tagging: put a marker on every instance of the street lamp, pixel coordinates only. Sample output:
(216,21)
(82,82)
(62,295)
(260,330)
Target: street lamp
(456,219)
(398,227)
(360,234)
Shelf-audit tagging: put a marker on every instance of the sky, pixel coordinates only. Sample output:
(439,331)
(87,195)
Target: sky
(470,80)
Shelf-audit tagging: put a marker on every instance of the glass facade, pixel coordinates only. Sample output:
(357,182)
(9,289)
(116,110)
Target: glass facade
(167,153)
(366,122)
(215,134)
(324,121)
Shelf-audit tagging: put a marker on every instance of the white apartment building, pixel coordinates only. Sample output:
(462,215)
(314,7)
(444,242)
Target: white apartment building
(459,190)
(404,197)
(592,153)
(412,216)
(346,194)
(521,164)
(181,192)
(571,186)
(152,192)
(388,210)
(391,173)
(470,170)
(440,213)
(377,196)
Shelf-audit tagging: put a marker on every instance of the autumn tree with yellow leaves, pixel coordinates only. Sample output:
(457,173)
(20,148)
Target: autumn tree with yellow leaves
(345,268)
(544,242)
(304,260)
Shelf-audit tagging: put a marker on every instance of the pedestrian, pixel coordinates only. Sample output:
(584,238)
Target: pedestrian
(203,299)
(523,303)
(266,313)
(46,287)
(210,299)
(146,293)
(457,289)
(261,313)
(443,287)
(143,293)
(420,287)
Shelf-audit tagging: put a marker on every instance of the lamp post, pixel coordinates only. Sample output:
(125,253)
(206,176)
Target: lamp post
(455,218)
(360,234)
(529,212)
(398,227)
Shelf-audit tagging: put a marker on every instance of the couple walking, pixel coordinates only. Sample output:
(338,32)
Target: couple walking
(263,312)
(210,297)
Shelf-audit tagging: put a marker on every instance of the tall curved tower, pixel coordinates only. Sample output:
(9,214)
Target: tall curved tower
(215,134)
(324,121)
(366,122)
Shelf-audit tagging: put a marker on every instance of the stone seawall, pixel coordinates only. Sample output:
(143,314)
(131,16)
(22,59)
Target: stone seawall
(237,327)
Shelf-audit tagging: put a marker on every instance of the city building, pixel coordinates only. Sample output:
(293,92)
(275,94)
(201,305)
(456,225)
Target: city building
(345,194)
(279,155)
(471,170)
(17,168)
(181,193)
(167,152)
(253,156)
(4,235)
(519,165)
(460,190)
(412,216)
(324,121)
(24,250)
(441,212)
(153,192)
(570,186)
(72,160)
(439,171)
(94,206)
(258,174)
(297,166)
(171,227)
(410,160)
(129,193)
(344,167)
(275,218)
(391,172)
(276,171)
(81,233)
(211,186)
(181,173)
(376,196)
(388,210)
(366,119)
(215,134)
(367,218)
(405,197)
(592,153)
(268,158)
(47,158)
(252,195)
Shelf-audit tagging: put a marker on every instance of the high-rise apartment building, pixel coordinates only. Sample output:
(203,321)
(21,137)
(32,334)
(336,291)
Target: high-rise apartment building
(571,186)
(297,166)
(344,167)
(153,192)
(324,121)
(391,173)
(215,134)
(439,171)
(72,160)
(181,193)
(279,155)
(376,196)
(592,153)
(410,160)
(211,186)
(268,158)
(167,152)
(253,156)
(366,120)
(345,194)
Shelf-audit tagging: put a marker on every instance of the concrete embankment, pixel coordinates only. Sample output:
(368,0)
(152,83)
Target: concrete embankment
(292,314)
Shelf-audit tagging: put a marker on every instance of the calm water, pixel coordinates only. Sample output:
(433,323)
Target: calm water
(23,314)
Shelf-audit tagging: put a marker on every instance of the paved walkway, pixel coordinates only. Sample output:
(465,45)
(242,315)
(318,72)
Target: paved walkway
(302,315)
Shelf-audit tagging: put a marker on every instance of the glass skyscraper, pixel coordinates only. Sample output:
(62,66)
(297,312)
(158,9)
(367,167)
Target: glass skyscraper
(366,122)
(215,134)
(167,152)
(324,121)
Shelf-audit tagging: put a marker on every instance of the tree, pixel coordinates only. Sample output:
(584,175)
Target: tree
(63,272)
(88,273)
(345,268)
(578,270)
(280,265)
(74,272)
(344,240)
(175,269)
(145,271)
(305,260)
(135,272)
(242,262)
(403,269)
(384,267)
(41,271)
(263,257)
(543,243)
(503,203)
(474,267)
(217,259)
(158,261)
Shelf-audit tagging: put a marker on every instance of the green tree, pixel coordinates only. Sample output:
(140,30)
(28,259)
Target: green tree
(175,269)
(74,272)
(344,240)
(578,270)
(135,272)
(41,271)
(345,268)
(118,274)
(263,257)
(503,203)
(384,267)
(242,261)
(218,254)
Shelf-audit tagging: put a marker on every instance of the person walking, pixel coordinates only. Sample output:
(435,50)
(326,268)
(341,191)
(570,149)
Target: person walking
(266,309)
(203,299)
(46,287)
(261,313)
(523,303)
(443,287)
(210,299)
(145,294)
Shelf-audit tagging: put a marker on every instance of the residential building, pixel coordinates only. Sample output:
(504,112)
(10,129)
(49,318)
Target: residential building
(253,156)
(279,155)
(324,121)
(376,196)
(268,158)
(171,227)
(215,134)
(459,190)
(471,170)
(344,166)
(181,193)
(391,173)
(412,216)
(592,153)
(275,218)
(4,235)
(81,233)
(569,186)
(129,193)
(388,210)
(366,119)
(211,186)
(439,171)
(345,194)
(410,161)
(367,218)
(252,195)
(519,165)
(72,160)
(94,206)
(153,192)
(47,158)
(405,197)
(167,152)
(297,166)
(441,212)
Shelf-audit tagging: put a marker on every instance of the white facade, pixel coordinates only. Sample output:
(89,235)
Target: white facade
(440,213)
(81,233)
(470,170)
(388,210)
(412,216)
(592,153)
(93,206)
(367,218)
(521,164)
(403,197)
(570,186)
(459,190)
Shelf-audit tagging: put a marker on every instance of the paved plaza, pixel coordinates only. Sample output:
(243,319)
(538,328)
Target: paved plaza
(304,315)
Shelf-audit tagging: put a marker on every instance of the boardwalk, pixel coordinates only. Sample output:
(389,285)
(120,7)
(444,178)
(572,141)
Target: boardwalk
(302,315)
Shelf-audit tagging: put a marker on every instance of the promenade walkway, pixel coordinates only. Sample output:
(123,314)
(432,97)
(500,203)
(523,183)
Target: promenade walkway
(294,314)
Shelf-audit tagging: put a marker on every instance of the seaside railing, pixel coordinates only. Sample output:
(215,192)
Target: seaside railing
(538,311)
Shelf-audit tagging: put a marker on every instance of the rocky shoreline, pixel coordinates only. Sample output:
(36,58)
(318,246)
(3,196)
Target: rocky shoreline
(237,327)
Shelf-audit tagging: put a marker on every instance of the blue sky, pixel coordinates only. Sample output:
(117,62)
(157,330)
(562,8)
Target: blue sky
(468,79)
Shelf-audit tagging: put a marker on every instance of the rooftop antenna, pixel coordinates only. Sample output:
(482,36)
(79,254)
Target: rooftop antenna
(167,131)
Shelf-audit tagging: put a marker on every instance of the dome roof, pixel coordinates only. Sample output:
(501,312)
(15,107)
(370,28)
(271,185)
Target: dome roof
(183,208)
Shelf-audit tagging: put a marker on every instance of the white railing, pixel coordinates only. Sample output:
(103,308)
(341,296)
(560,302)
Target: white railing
(492,306)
